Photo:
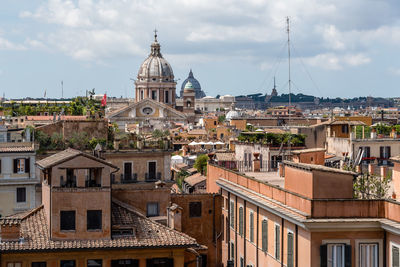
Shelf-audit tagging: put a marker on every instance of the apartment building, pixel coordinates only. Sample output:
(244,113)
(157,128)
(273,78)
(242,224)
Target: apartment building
(305,215)
(80,224)
(18,179)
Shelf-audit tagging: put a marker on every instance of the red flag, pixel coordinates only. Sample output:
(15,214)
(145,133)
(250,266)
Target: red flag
(104,100)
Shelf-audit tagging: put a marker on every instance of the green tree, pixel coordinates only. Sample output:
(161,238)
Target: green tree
(201,164)
(180,176)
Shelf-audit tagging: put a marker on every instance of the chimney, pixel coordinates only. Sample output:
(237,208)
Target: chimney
(281,169)
(256,162)
(175,217)
(370,168)
(10,229)
(373,133)
(383,171)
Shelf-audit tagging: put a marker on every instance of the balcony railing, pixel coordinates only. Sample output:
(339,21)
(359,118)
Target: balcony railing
(152,176)
(69,182)
(128,178)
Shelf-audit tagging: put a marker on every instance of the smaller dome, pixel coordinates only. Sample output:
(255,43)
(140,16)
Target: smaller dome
(189,86)
(232,114)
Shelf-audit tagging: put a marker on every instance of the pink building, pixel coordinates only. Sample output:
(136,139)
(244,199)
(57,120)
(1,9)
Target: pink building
(304,216)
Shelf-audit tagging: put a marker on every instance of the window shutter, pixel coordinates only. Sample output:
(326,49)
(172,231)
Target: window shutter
(264,233)
(27,165)
(395,256)
(290,250)
(324,255)
(241,221)
(381,151)
(15,165)
(251,227)
(347,256)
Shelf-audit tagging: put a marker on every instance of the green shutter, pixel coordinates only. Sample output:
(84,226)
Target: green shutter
(290,250)
(395,257)
(232,211)
(251,227)
(264,233)
(241,221)
(277,242)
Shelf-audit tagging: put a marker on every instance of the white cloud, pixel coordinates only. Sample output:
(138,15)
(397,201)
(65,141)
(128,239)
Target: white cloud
(394,71)
(331,61)
(99,30)
(8,45)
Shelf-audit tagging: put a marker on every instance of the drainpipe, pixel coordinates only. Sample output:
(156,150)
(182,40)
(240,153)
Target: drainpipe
(282,230)
(297,247)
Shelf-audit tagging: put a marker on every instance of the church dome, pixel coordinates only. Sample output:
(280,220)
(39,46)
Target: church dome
(155,68)
(188,87)
(196,86)
(232,114)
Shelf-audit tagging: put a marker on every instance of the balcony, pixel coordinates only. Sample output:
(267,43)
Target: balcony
(69,182)
(128,178)
(152,176)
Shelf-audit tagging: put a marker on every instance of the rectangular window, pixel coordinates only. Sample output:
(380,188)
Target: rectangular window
(368,254)
(67,220)
(127,171)
(264,235)
(39,264)
(277,242)
(232,251)
(385,152)
(14,264)
(336,255)
(232,214)
(94,219)
(166,97)
(251,227)
(290,261)
(152,209)
(241,262)
(21,194)
(395,256)
(195,209)
(67,263)
(345,128)
(94,263)
(366,151)
(125,263)
(19,166)
(241,221)
(154,94)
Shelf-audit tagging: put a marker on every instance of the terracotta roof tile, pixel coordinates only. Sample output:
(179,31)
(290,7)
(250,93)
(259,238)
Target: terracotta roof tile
(147,233)
(195,179)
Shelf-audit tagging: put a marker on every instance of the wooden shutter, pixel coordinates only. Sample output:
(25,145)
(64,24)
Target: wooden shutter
(264,235)
(27,165)
(347,256)
(324,255)
(241,221)
(277,242)
(395,257)
(15,165)
(251,227)
(290,250)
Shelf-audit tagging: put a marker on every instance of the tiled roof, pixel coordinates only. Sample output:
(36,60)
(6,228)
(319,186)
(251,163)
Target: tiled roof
(50,118)
(147,233)
(65,155)
(16,147)
(195,179)
(225,156)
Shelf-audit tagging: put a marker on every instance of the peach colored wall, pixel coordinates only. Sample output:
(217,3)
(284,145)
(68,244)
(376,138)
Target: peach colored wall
(81,201)
(311,158)
(396,179)
(282,195)
(348,208)
(139,198)
(332,185)
(299,181)
(46,201)
(317,237)
(304,247)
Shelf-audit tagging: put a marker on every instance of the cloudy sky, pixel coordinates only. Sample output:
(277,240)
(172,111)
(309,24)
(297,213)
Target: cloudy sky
(340,48)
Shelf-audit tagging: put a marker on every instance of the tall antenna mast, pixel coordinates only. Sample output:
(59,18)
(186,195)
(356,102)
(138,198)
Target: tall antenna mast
(62,89)
(290,81)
